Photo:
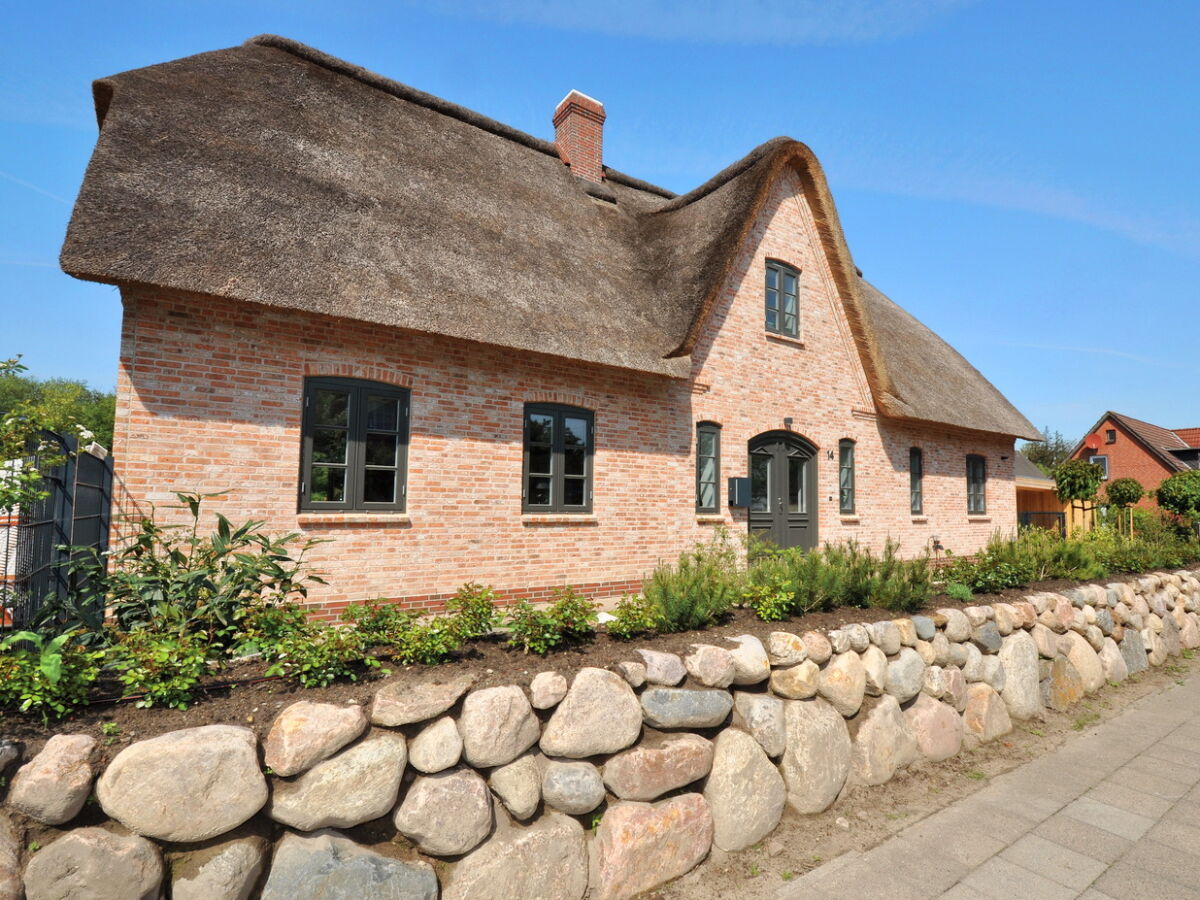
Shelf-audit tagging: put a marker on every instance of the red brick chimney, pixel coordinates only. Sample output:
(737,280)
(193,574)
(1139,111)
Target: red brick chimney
(579,135)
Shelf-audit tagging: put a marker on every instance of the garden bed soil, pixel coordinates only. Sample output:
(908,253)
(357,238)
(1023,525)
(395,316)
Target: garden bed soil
(254,699)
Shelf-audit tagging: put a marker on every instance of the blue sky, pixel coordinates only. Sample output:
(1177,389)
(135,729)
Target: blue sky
(1019,174)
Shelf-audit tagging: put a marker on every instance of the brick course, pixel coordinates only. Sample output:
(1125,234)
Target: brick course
(209,398)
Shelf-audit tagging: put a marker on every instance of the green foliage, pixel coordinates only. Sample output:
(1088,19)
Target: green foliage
(171,578)
(63,405)
(1077,480)
(794,581)
(50,677)
(1180,494)
(473,608)
(427,643)
(1124,492)
(161,668)
(320,655)
(569,618)
(1049,453)
(1154,545)
(956,590)
(634,615)
(263,623)
(699,589)
(378,621)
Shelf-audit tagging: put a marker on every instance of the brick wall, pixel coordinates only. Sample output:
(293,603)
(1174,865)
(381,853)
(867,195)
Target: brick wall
(209,398)
(1128,458)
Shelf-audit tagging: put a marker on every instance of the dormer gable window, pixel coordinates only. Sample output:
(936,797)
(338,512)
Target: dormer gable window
(782,299)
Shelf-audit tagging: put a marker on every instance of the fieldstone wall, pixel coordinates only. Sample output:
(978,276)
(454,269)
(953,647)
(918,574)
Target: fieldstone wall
(605,787)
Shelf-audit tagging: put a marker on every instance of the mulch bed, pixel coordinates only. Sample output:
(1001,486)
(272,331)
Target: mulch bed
(241,694)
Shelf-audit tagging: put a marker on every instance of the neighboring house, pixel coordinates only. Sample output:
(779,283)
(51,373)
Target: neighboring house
(465,353)
(1130,448)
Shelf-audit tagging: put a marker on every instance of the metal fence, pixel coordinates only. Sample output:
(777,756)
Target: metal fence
(36,543)
(1051,521)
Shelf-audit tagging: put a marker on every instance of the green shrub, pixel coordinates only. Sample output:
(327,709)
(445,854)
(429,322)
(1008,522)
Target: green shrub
(378,621)
(699,589)
(1180,494)
(51,677)
(634,615)
(170,578)
(161,668)
(956,590)
(321,654)
(262,624)
(1077,480)
(427,643)
(473,609)
(795,581)
(568,618)
(1124,492)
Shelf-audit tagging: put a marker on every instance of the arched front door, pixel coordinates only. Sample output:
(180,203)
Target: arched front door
(783,489)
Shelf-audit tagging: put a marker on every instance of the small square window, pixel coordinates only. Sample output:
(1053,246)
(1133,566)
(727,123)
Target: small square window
(1110,436)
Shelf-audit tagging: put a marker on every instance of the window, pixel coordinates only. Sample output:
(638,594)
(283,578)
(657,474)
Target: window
(846,476)
(916,479)
(1102,462)
(1110,436)
(355,445)
(708,467)
(782,299)
(558,459)
(976,485)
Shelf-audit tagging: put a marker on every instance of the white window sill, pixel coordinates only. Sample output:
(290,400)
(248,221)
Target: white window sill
(534,519)
(352,518)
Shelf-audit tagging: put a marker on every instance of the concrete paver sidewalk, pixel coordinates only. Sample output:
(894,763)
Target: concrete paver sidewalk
(1111,814)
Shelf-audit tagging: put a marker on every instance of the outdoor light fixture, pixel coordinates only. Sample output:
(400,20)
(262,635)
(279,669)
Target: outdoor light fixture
(787,423)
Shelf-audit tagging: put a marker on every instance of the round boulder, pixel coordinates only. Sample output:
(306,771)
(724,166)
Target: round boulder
(574,788)
(497,725)
(817,759)
(306,733)
(745,792)
(600,714)
(53,786)
(185,786)
(96,864)
(446,814)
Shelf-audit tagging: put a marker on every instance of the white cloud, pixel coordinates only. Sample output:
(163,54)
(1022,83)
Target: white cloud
(719,21)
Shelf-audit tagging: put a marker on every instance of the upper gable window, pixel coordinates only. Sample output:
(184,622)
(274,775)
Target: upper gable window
(782,299)
(355,445)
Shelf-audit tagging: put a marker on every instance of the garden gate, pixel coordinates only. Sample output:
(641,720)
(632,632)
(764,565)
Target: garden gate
(35,543)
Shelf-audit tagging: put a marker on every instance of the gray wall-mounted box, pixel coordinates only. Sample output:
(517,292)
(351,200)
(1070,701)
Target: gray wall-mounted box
(739,491)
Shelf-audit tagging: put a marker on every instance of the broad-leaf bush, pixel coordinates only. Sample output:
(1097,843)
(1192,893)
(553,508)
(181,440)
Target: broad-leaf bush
(570,618)
(172,578)
(634,615)
(321,654)
(47,676)
(160,668)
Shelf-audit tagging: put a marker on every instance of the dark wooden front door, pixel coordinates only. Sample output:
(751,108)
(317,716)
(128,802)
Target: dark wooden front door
(783,489)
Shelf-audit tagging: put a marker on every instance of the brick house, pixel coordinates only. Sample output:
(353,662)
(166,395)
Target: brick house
(1129,448)
(466,353)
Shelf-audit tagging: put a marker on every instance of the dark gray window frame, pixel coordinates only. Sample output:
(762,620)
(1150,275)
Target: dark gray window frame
(847,496)
(780,268)
(715,430)
(557,477)
(976,485)
(916,481)
(1110,436)
(356,466)
(1104,465)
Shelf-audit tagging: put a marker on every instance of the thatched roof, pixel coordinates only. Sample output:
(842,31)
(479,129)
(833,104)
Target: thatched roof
(274,174)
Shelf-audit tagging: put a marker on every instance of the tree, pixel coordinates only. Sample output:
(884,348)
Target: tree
(1050,453)
(1124,492)
(1180,494)
(1078,480)
(20,426)
(62,405)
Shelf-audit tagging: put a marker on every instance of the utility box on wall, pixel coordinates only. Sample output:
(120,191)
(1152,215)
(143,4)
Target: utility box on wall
(739,492)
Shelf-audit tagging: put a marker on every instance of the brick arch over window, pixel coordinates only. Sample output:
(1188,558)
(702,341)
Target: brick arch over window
(563,398)
(364,373)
